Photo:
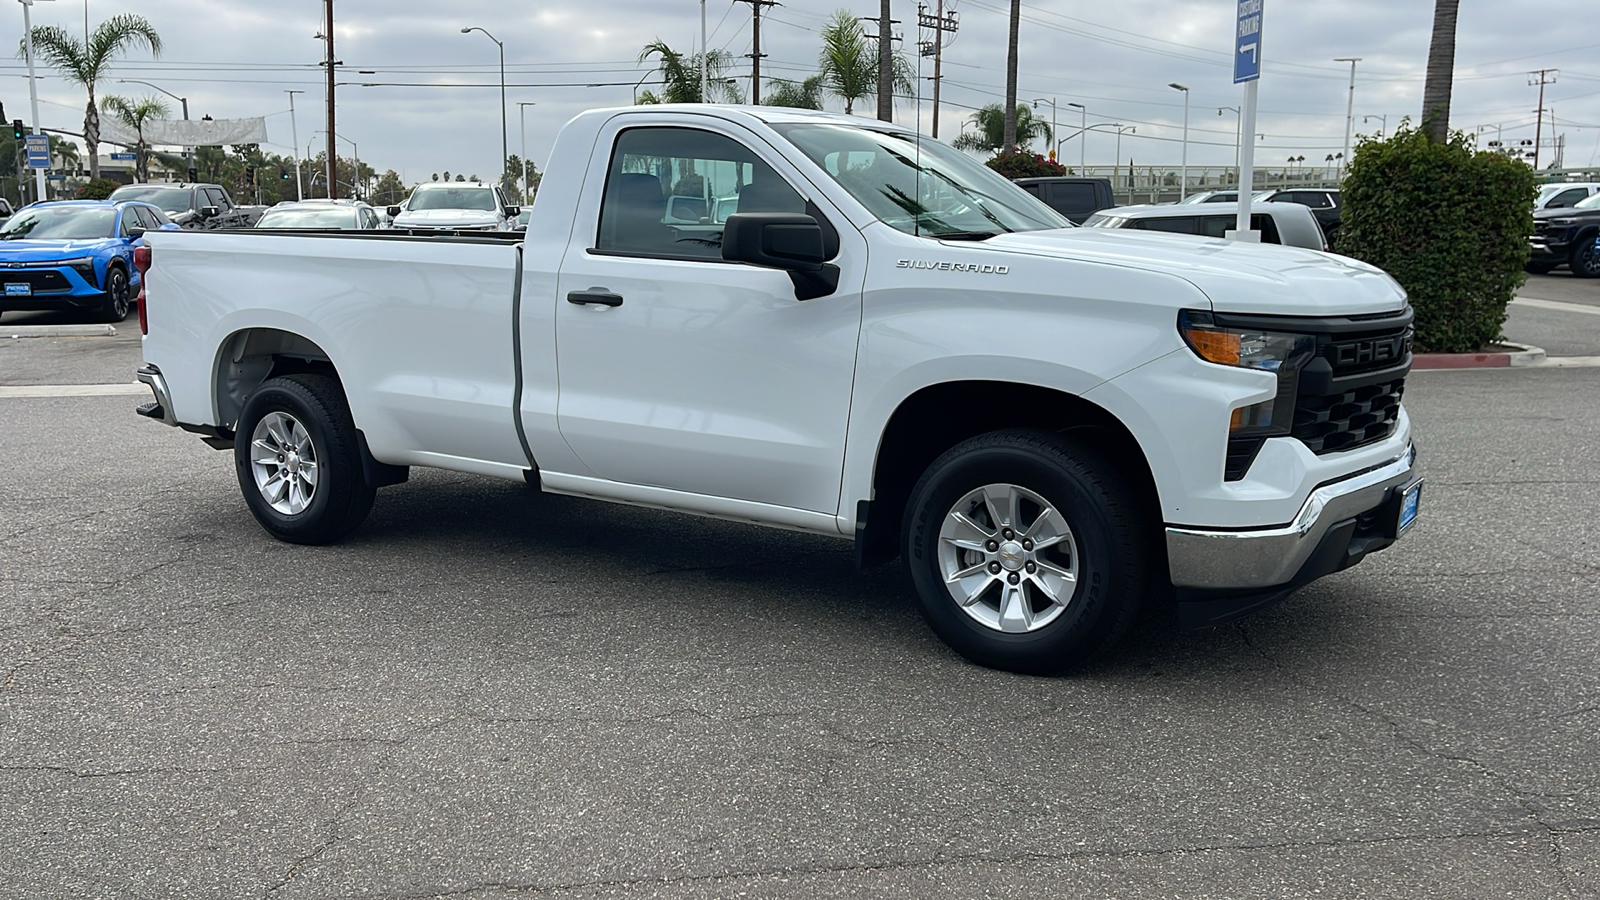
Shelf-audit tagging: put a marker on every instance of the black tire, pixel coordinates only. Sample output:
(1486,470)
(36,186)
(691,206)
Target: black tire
(1112,550)
(1539,268)
(119,295)
(340,499)
(1585,261)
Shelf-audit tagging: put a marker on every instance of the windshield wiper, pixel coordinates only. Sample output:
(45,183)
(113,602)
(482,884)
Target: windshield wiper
(964,235)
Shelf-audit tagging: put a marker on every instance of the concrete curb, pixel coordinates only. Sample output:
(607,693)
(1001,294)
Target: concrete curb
(29,331)
(1519,355)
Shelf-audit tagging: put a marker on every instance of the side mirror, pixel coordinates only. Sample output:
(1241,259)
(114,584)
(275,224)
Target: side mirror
(170,226)
(209,212)
(513,211)
(786,241)
(135,233)
(393,211)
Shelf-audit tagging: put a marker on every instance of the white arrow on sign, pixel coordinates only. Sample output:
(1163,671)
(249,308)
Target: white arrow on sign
(1250,49)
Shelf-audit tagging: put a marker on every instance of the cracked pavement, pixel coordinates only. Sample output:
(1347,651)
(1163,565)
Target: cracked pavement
(488,693)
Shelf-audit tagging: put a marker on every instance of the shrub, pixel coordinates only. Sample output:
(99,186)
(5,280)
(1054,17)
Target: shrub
(98,189)
(1022,164)
(1448,223)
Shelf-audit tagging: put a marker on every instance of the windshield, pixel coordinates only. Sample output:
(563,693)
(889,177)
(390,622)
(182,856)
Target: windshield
(308,217)
(1590,202)
(170,199)
(61,223)
(452,198)
(949,195)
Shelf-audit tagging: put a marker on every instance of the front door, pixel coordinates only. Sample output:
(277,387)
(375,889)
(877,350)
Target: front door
(686,372)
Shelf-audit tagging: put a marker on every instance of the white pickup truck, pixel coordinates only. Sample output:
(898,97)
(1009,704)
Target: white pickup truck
(886,342)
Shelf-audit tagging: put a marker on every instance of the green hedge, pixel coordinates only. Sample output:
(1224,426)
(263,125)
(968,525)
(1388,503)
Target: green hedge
(98,189)
(1450,224)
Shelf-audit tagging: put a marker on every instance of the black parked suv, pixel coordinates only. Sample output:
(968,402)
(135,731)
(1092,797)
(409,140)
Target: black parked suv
(205,206)
(1570,236)
(1075,198)
(1324,202)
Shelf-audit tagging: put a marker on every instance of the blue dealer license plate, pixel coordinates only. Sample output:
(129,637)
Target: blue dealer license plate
(1409,501)
(13,289)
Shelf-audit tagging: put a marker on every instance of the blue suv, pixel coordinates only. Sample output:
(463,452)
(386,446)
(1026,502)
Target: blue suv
(75,255)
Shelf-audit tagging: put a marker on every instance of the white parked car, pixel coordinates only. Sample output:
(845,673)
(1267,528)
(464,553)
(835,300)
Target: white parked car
(1564,195)
(347,215)
(886,342)
(1290,224)
(455,206)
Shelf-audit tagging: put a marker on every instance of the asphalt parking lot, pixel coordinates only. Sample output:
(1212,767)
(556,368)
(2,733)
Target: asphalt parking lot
(490,692)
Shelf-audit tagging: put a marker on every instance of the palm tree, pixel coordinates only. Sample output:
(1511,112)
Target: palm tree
(135,114)
(86,62)
(991,134)
(681,76)
(1441,71)
(1009,134)
(798,94)
(849,66)
(66,151)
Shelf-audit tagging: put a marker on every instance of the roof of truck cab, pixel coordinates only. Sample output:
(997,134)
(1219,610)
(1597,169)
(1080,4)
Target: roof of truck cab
(772,115)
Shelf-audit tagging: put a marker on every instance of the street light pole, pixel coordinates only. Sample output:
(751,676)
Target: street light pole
(1350,107)
(1383,123)
(1053,131)
(1083,126)
(188,152)
(522,126)
(1120,129)
(33,93)
(1236,136)
(294,133)
(1183,181)
(504,153)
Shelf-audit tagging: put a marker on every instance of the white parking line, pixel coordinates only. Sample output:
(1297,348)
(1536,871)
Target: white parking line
(72,390)
(1557,305)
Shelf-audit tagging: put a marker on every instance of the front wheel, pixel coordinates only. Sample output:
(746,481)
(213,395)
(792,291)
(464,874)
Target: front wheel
(1539,268)
(1027,550)
(119,295)
(299,462)
(1585,261)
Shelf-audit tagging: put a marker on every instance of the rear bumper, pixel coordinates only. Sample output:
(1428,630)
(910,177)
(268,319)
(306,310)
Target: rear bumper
(1222,574)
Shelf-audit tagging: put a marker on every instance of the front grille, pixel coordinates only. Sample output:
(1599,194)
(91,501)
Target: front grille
(1349,419)
(1539,228)
(1367,353)
(44,281)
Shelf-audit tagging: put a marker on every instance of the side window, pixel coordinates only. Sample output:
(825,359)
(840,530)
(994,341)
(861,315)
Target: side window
(1174,224)
(1032,189)
(1269,229)
(663,183)
(1072,197)
(219,198)
(1567,198)
(1217,226)
(130,221)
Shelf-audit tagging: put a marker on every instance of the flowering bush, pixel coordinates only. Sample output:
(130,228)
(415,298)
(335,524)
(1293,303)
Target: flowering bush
(1022,164)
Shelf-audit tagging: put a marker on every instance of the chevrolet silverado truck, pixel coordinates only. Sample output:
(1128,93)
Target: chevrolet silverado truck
(886,343)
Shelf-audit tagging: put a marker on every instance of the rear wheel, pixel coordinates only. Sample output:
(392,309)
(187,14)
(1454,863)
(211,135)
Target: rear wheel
(1585,261)
(299,461)
(1028,551)
(119,295)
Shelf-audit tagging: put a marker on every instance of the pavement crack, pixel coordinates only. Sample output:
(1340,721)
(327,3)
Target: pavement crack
(329,840)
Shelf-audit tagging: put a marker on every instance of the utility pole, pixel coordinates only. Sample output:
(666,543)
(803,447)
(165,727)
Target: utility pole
(1546,76)
(294,132)
(329,63)
(942,23)
(705,57)
(885,64)
(755,47)
(1350,108)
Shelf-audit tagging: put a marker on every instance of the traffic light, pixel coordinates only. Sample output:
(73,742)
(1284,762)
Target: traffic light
(250,174)
(283,174)
(17,131)
(194,175)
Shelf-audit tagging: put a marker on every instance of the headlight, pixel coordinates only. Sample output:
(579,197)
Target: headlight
(83,266)
(1561,223)
(1280,353)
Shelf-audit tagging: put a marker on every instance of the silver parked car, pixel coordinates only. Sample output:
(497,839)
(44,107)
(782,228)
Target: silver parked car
(344,215)
(1290,224)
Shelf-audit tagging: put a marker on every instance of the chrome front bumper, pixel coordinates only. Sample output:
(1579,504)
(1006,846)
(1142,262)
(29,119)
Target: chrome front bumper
(1258,560)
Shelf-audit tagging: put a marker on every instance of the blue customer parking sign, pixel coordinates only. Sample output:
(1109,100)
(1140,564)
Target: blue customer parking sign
(1247,43)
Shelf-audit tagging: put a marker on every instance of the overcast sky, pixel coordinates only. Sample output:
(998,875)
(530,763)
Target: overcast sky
(438,109)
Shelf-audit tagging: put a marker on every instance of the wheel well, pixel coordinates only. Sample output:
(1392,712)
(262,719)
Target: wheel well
(929,422)
(249,357)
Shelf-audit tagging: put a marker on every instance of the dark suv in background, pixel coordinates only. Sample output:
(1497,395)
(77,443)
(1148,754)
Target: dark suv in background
(205,206)
(1324,203)
(1075,198)
(1570,236)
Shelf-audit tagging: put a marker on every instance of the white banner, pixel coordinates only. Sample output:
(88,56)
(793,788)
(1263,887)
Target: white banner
(187,133)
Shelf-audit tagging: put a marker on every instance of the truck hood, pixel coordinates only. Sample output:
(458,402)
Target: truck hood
(1236,276)
(1567,212)
(446,218)
(49,250)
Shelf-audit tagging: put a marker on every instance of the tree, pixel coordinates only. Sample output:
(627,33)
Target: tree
(390,190)
(680,75)
(1009,134)
(1441,71)
(85,63)
(992,121)
(136,114)
(805,94)
(65,151)
(848,66)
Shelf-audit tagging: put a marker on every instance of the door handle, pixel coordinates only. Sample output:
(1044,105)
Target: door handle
(595,295)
